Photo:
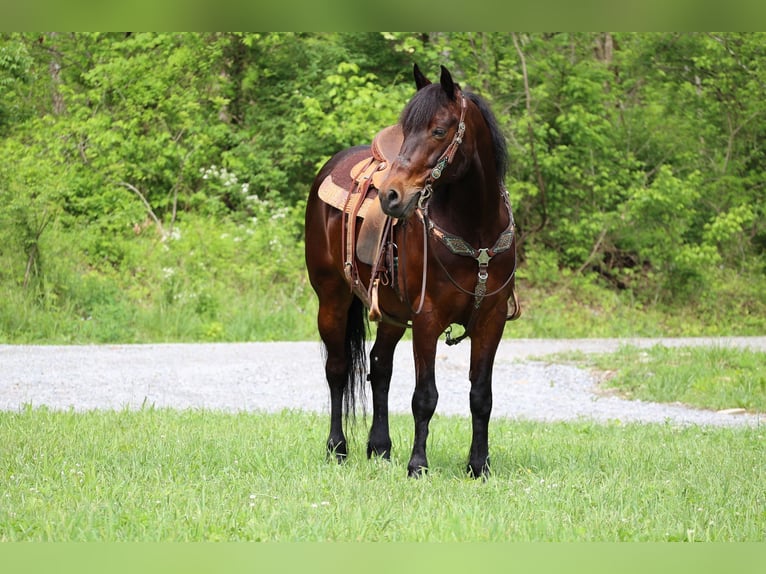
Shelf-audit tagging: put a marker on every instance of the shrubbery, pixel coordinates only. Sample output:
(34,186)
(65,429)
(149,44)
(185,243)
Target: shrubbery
(152,185)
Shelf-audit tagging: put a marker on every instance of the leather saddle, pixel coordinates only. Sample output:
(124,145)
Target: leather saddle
(361,197)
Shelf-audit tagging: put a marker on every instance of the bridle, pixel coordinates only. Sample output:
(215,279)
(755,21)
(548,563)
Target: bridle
(457,245)
(446,158)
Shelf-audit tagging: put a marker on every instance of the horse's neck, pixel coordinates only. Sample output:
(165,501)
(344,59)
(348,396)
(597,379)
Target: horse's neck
(472,208)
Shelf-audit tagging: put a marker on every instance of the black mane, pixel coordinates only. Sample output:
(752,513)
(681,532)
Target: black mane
(499,145)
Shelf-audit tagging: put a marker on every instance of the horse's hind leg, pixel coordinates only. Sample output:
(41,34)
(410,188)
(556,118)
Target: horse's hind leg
(381,367)
(331,320)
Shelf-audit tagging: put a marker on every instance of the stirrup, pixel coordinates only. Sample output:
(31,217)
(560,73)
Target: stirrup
(514,308)
(375,313)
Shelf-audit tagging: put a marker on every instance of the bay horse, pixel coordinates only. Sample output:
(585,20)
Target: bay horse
(455,262)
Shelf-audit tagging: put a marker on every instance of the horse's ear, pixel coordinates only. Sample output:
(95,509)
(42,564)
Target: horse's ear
(447,83)
(420,80)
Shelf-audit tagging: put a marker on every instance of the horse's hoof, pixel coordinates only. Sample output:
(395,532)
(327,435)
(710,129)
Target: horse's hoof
(338,457)
(479,471)
(337,451)
(418,472)
(383,452)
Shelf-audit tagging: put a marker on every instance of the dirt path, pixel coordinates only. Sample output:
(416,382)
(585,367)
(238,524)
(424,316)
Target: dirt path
(275,376)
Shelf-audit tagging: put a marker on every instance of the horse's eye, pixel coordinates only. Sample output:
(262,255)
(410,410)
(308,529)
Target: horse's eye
(439,133)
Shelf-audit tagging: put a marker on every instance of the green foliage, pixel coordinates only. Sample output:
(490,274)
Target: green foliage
(660,222)
(15,64)
(637,173)
(31,196)
(349,108)
(150,126)
(634,159)
(201,280)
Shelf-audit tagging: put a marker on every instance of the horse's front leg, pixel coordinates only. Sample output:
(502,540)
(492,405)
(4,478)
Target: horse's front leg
(484,344)
(381,367)
(424,398)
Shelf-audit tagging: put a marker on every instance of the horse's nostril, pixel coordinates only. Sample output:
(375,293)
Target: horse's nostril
(392,196)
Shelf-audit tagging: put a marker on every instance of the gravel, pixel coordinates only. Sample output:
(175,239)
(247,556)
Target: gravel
(271,377)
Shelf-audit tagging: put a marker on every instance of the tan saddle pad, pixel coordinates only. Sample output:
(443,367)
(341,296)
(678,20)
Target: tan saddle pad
(384,148)
(337,196)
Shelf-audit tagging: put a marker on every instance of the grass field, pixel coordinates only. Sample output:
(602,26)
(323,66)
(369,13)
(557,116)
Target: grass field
(708,378)
(165,475)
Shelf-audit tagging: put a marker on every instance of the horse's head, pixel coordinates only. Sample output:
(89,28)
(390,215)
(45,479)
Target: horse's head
(433,123)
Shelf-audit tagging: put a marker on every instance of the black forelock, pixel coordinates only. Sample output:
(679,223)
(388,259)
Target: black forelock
(422,107)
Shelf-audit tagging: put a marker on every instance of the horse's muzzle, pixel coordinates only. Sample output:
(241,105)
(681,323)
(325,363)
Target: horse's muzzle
(398,204)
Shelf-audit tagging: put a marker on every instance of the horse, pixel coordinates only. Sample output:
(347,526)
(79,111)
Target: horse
(451,261)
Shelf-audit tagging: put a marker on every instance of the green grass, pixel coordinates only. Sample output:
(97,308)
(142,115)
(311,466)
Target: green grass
(220,283)
(263,311)
(165,475)
(570,306)
(268,313)
(705,377)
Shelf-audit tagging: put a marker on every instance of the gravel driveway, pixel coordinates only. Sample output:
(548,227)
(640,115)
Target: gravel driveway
(275,376)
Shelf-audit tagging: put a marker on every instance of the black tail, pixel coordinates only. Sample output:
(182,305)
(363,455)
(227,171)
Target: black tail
(356,353)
